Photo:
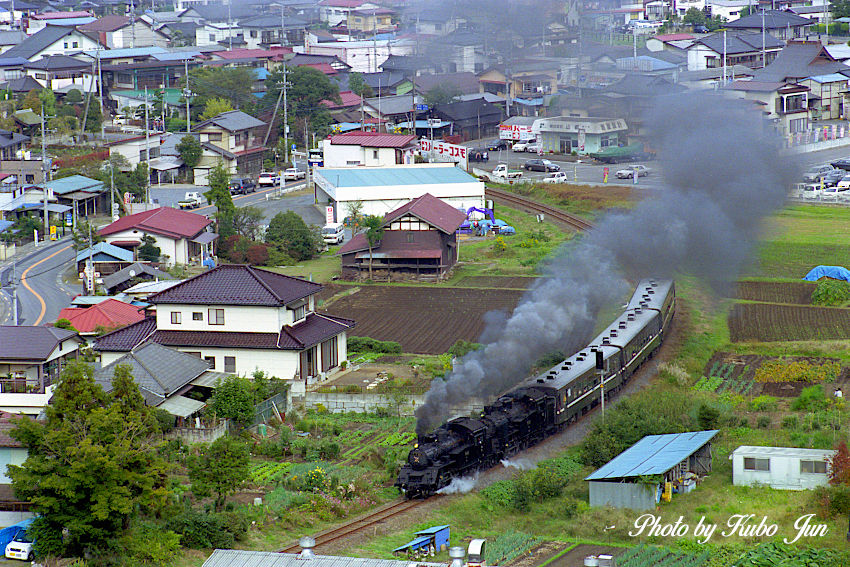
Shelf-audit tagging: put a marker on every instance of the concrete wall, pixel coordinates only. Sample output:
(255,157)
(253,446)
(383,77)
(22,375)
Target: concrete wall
(622,495)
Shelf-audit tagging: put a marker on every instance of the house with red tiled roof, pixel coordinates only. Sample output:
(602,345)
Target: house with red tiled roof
(419,242)
(347,99)
(240,319)
(107,315)
(181,236)
(359,148)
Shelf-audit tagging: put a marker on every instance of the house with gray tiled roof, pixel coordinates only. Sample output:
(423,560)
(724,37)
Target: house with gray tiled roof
(240,319)
(53,40)
(233,138)
(783,25)
(31,359)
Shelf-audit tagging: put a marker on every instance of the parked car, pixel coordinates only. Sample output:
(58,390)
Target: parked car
(21,546)
(501,171)
(533,148)
(333,233)
(699,28)
(268,179)
(843,163)
(815,172)
(192,200)
(242,186)
(557,177)
(844,183)
(293,174)
(541,165)
(497,145)
(478,154)
(642,171)
(520,146)
(832,178)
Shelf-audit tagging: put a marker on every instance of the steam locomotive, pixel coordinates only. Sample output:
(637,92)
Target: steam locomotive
(545,404)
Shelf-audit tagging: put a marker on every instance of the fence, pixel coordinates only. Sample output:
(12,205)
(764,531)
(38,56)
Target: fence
(264,411)
(830,135)
(199,434)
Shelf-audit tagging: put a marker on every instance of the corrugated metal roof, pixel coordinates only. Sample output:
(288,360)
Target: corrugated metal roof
(400,175)
(106,248)
(750,451)
(181,406)
(654,454)
(373,140)
(241,558)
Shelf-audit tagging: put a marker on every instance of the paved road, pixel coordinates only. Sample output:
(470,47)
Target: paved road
(41,291)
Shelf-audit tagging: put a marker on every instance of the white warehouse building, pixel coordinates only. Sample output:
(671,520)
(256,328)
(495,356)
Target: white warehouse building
(783,468)
(384,189)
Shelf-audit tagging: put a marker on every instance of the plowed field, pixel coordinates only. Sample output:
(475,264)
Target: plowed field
(799,293)
(425,320)
(510,282)
(774,322)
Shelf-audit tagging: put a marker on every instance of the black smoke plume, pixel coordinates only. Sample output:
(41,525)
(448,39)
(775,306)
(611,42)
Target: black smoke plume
(723,174)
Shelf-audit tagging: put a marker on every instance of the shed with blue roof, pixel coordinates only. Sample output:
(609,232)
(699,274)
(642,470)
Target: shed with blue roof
(429,540)
(656,465)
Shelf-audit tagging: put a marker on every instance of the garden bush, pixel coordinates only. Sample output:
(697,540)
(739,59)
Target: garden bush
(762,403)
(368,344)
(831,292)
(201,530)
(790,422)
(810,399)
(763,422)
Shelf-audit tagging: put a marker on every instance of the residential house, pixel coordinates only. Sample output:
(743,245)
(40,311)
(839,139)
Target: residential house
(162,374)
(137,272)
(712,78)
(38,22)
(241,319)
(430,20)
(9,39)
(829,94)
(419,242)
(459,51)
(386,83)
(53,40)
(526,81)
(12,145)
(264,31)
(116,32)
(393,110)
(31,359)
(786,104)
(471,119)
(136,148)
(314,58)
(741,48)
(91,322)
(360,148)
(726,10)
(181,236)
(80,194)
(233,138)
(382,189)
(410,65)
(780,24)
(104,258)
(364,22)
(62,72)
(12,452)
(634,96)
(782,468)
(141,291)
(336,12)
(365,56)
(460,83)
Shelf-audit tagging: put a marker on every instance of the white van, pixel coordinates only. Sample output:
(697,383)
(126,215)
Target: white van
(333,233)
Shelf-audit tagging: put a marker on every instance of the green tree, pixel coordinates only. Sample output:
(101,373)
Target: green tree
(247,222)
(220,468)
(32,101)
(357,85)
(233,399)
(694,17)
(308,88)
(441,94)
(64,324)
(80,234)
(92,468)
(214,107)
(94,117)
(149,251)
(219,195)
(374,232)
(48,102)
(290,234)
(839,8)
(233,84)
(190,150)
(74,97)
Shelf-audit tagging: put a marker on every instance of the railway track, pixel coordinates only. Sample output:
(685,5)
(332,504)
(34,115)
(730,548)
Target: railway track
(529,205)
(375,517)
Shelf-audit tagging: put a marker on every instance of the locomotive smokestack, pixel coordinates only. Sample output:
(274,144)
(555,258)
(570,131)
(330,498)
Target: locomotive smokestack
(457,554)
(704,222)
(307,544)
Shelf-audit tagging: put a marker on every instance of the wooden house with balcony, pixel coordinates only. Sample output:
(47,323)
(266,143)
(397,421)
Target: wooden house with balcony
(31,359)
(234,138)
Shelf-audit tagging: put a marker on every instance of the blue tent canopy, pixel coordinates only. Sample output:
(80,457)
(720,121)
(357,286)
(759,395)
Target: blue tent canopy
(834,272)
(6,534)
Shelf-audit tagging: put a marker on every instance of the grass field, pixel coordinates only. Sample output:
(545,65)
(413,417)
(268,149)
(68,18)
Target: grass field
(801,237)
(585,201)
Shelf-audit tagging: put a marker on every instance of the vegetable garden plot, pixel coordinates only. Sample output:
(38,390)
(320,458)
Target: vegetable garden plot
(797,293)
(769,322)
(508,282)
(424,320)
(648,556)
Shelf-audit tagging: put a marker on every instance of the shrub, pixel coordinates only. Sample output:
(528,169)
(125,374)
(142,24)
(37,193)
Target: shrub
(763,422)
(200,530)
(831,292)
(762,403)
(790,422)
(708,416)
(462,347)
(810,399)
(368,344)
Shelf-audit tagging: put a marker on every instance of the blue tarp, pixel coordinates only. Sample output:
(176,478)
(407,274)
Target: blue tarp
(6,534)
(834,272)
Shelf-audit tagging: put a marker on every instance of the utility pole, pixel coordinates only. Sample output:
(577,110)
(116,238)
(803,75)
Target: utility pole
(44,175)
(724,57)
(763,52)
(112,191)
(90,267)
(147,148)
(229,27)
(100,87)
(286,119)
(186,94)
(14,291)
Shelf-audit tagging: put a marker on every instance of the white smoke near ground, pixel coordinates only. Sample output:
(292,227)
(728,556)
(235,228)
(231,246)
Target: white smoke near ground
(519,464)
(460,485)
(723,174)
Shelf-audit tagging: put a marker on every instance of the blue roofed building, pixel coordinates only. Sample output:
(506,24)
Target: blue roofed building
(383,189)
(105,258)
(652,469)
(83,195)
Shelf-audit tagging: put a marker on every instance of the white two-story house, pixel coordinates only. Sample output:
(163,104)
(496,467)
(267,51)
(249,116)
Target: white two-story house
(240,319)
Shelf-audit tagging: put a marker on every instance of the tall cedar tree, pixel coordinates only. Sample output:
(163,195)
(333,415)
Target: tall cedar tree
(92,466)
(219,195)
